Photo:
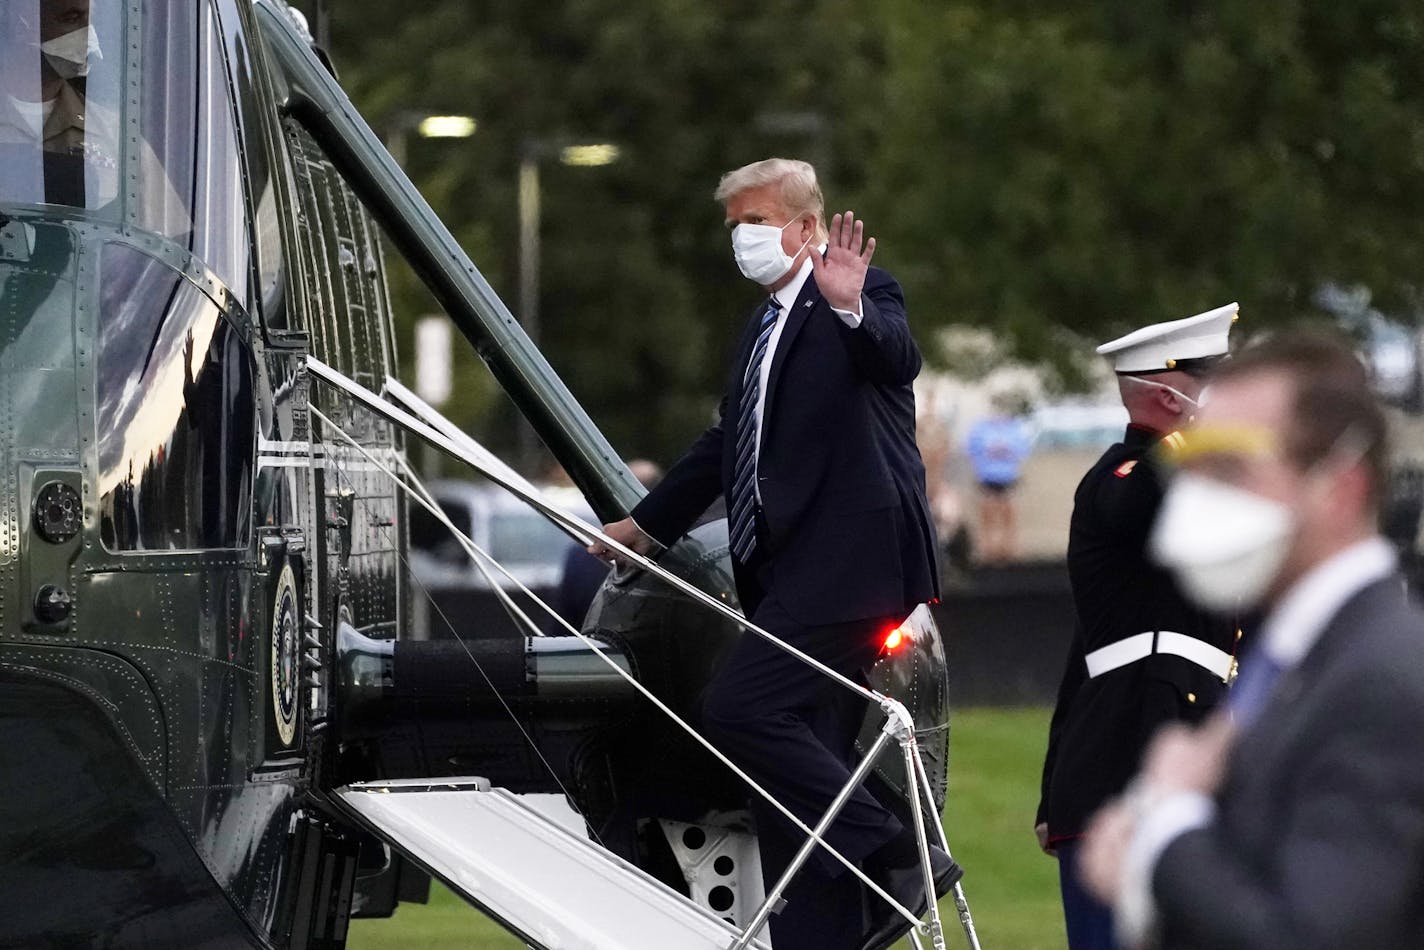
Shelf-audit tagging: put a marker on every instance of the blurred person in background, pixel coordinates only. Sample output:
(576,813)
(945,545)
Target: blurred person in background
(830,537)
(1141,654)
(997,446)
(1294,819)
(932,433)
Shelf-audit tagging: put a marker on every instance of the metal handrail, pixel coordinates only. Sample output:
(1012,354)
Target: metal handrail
(897,717)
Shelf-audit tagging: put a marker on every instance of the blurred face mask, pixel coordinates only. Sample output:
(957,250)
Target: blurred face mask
(69,55)
(1224,544)
(757,250)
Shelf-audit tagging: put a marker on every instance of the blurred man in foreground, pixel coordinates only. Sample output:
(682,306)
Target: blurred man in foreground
(1141,654)
(1296,819)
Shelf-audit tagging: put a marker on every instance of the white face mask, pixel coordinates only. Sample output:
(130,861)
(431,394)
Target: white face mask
(69,55)
(1224,544)
(757,250)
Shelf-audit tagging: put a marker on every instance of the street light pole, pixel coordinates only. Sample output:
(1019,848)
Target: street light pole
(529,213)
(533,150)
(529,281)
(428,126)
(398,129)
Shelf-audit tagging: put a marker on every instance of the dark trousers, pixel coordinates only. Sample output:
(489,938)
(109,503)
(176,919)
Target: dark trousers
(1088,920)
(793,730)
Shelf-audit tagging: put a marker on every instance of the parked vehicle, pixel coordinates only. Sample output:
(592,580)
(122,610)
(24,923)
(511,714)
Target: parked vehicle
(461,599)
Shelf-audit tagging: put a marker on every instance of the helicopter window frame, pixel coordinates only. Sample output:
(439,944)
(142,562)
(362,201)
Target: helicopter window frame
(217,449)
(187,172)
(93,160)
(266,175)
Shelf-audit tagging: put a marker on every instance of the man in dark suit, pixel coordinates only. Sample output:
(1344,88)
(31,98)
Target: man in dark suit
(1296,819)
(1141,655)
(829,529)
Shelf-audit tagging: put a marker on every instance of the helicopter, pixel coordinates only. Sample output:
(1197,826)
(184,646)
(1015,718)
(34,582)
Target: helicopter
(218,727)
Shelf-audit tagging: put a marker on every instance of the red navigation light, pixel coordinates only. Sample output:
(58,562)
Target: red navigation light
(893,639)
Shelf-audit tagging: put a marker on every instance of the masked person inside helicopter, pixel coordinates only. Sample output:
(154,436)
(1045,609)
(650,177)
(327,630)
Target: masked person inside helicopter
(61,134)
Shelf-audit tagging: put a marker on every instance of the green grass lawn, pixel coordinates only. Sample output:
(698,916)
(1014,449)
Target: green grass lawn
(993,789)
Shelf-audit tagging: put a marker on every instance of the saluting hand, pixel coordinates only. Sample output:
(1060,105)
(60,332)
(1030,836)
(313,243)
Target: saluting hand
(840,276)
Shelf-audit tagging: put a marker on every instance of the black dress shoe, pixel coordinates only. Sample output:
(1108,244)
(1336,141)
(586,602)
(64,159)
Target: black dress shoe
(907,885)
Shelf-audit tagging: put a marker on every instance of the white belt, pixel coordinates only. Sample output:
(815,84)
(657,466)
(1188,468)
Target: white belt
(1139,646)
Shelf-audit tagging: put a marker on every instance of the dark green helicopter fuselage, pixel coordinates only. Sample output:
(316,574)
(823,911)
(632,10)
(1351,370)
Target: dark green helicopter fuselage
(173,550)
(203,594)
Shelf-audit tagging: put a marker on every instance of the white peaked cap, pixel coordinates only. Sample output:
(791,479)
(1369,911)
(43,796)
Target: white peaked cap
(1163,346)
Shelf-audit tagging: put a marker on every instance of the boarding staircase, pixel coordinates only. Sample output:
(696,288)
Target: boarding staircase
(554,888)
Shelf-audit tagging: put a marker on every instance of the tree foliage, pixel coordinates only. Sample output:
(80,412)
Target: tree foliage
(1056,174)
(1120,164)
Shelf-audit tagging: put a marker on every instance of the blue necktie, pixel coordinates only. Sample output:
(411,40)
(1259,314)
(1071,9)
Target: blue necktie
(1253,686)
(741,523)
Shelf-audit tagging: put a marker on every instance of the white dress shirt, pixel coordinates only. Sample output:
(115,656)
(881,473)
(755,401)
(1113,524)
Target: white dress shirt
(1288,633)
(26,120)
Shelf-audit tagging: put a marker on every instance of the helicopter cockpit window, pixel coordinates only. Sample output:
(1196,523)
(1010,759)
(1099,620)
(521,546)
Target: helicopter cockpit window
(140,132)
(61,128)
(176,415)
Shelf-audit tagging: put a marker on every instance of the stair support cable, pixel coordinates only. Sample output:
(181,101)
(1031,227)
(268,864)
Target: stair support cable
(898,726)
(575,526)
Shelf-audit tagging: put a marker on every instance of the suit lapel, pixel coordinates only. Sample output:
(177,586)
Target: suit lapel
(807,301)
(1290,711)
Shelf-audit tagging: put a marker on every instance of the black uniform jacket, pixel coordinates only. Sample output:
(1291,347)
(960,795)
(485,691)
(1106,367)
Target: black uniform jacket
(1101,726)
(847,523)
(1318,842)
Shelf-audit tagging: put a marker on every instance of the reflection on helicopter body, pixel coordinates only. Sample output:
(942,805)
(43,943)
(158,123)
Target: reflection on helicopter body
(176,426)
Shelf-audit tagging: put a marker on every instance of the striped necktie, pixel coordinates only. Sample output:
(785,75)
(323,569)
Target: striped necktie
(741,523)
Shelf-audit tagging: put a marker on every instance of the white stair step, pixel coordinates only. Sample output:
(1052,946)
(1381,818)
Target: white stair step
(557,890)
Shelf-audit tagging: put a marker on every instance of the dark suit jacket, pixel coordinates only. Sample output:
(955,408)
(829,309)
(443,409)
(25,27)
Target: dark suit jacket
(1101,726)
(842,486)
(1319,838)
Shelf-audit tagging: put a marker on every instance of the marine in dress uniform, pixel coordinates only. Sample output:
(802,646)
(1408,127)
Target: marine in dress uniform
(1296,822)
(1141,654)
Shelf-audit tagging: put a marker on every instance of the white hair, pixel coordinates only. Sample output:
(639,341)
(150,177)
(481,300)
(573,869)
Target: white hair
(800,192)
